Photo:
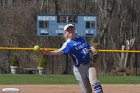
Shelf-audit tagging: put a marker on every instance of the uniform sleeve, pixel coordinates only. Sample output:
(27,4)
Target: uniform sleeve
(65,48)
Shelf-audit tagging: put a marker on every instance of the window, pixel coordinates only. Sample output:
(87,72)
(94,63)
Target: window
(93,25)
(61,19)
(87,24)
(72,19)
(75,19)
(40,24)
(43,24)
(90,25)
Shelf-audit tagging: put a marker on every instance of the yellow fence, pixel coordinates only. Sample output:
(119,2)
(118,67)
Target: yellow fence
(19,48)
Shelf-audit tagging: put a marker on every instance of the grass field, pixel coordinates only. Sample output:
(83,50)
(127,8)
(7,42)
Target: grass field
(62,79)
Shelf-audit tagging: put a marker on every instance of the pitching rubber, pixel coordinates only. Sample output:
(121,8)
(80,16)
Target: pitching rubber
(11,90)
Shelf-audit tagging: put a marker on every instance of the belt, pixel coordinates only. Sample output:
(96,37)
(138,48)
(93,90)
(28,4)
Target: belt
(82,64)
(85,63)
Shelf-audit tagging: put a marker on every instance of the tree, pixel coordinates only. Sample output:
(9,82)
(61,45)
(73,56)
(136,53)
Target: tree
(118,28)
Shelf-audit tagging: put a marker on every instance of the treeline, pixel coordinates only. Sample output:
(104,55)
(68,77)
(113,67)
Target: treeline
(117,28)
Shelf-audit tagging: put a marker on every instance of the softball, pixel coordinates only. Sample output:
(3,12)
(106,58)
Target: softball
(36,47)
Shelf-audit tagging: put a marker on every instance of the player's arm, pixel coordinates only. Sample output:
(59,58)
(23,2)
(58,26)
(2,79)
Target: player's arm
(60,51)
(55,52)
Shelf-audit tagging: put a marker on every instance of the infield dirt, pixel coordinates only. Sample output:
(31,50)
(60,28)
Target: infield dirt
(72,88)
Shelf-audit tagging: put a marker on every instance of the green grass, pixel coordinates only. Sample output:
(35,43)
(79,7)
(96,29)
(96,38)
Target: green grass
(120,79)
(62,79)
(36,79)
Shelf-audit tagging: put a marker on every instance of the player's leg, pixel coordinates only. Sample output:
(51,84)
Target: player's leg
(94,80)
(81,76)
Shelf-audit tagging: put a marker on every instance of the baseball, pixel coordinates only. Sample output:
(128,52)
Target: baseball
(36,48)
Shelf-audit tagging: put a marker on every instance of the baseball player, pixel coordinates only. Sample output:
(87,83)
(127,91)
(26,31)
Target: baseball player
(79,51)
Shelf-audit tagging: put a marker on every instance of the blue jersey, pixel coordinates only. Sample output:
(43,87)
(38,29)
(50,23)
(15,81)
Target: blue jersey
(78,49)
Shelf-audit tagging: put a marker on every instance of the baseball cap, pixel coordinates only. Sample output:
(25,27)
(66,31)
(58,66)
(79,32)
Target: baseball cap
(68,25)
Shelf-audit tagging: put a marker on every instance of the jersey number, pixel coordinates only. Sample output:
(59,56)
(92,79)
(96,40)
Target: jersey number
(85,50)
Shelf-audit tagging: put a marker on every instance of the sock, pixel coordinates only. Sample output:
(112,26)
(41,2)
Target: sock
(97,88)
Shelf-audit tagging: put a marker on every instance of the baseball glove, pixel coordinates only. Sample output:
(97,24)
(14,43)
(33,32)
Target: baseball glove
(95,57)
